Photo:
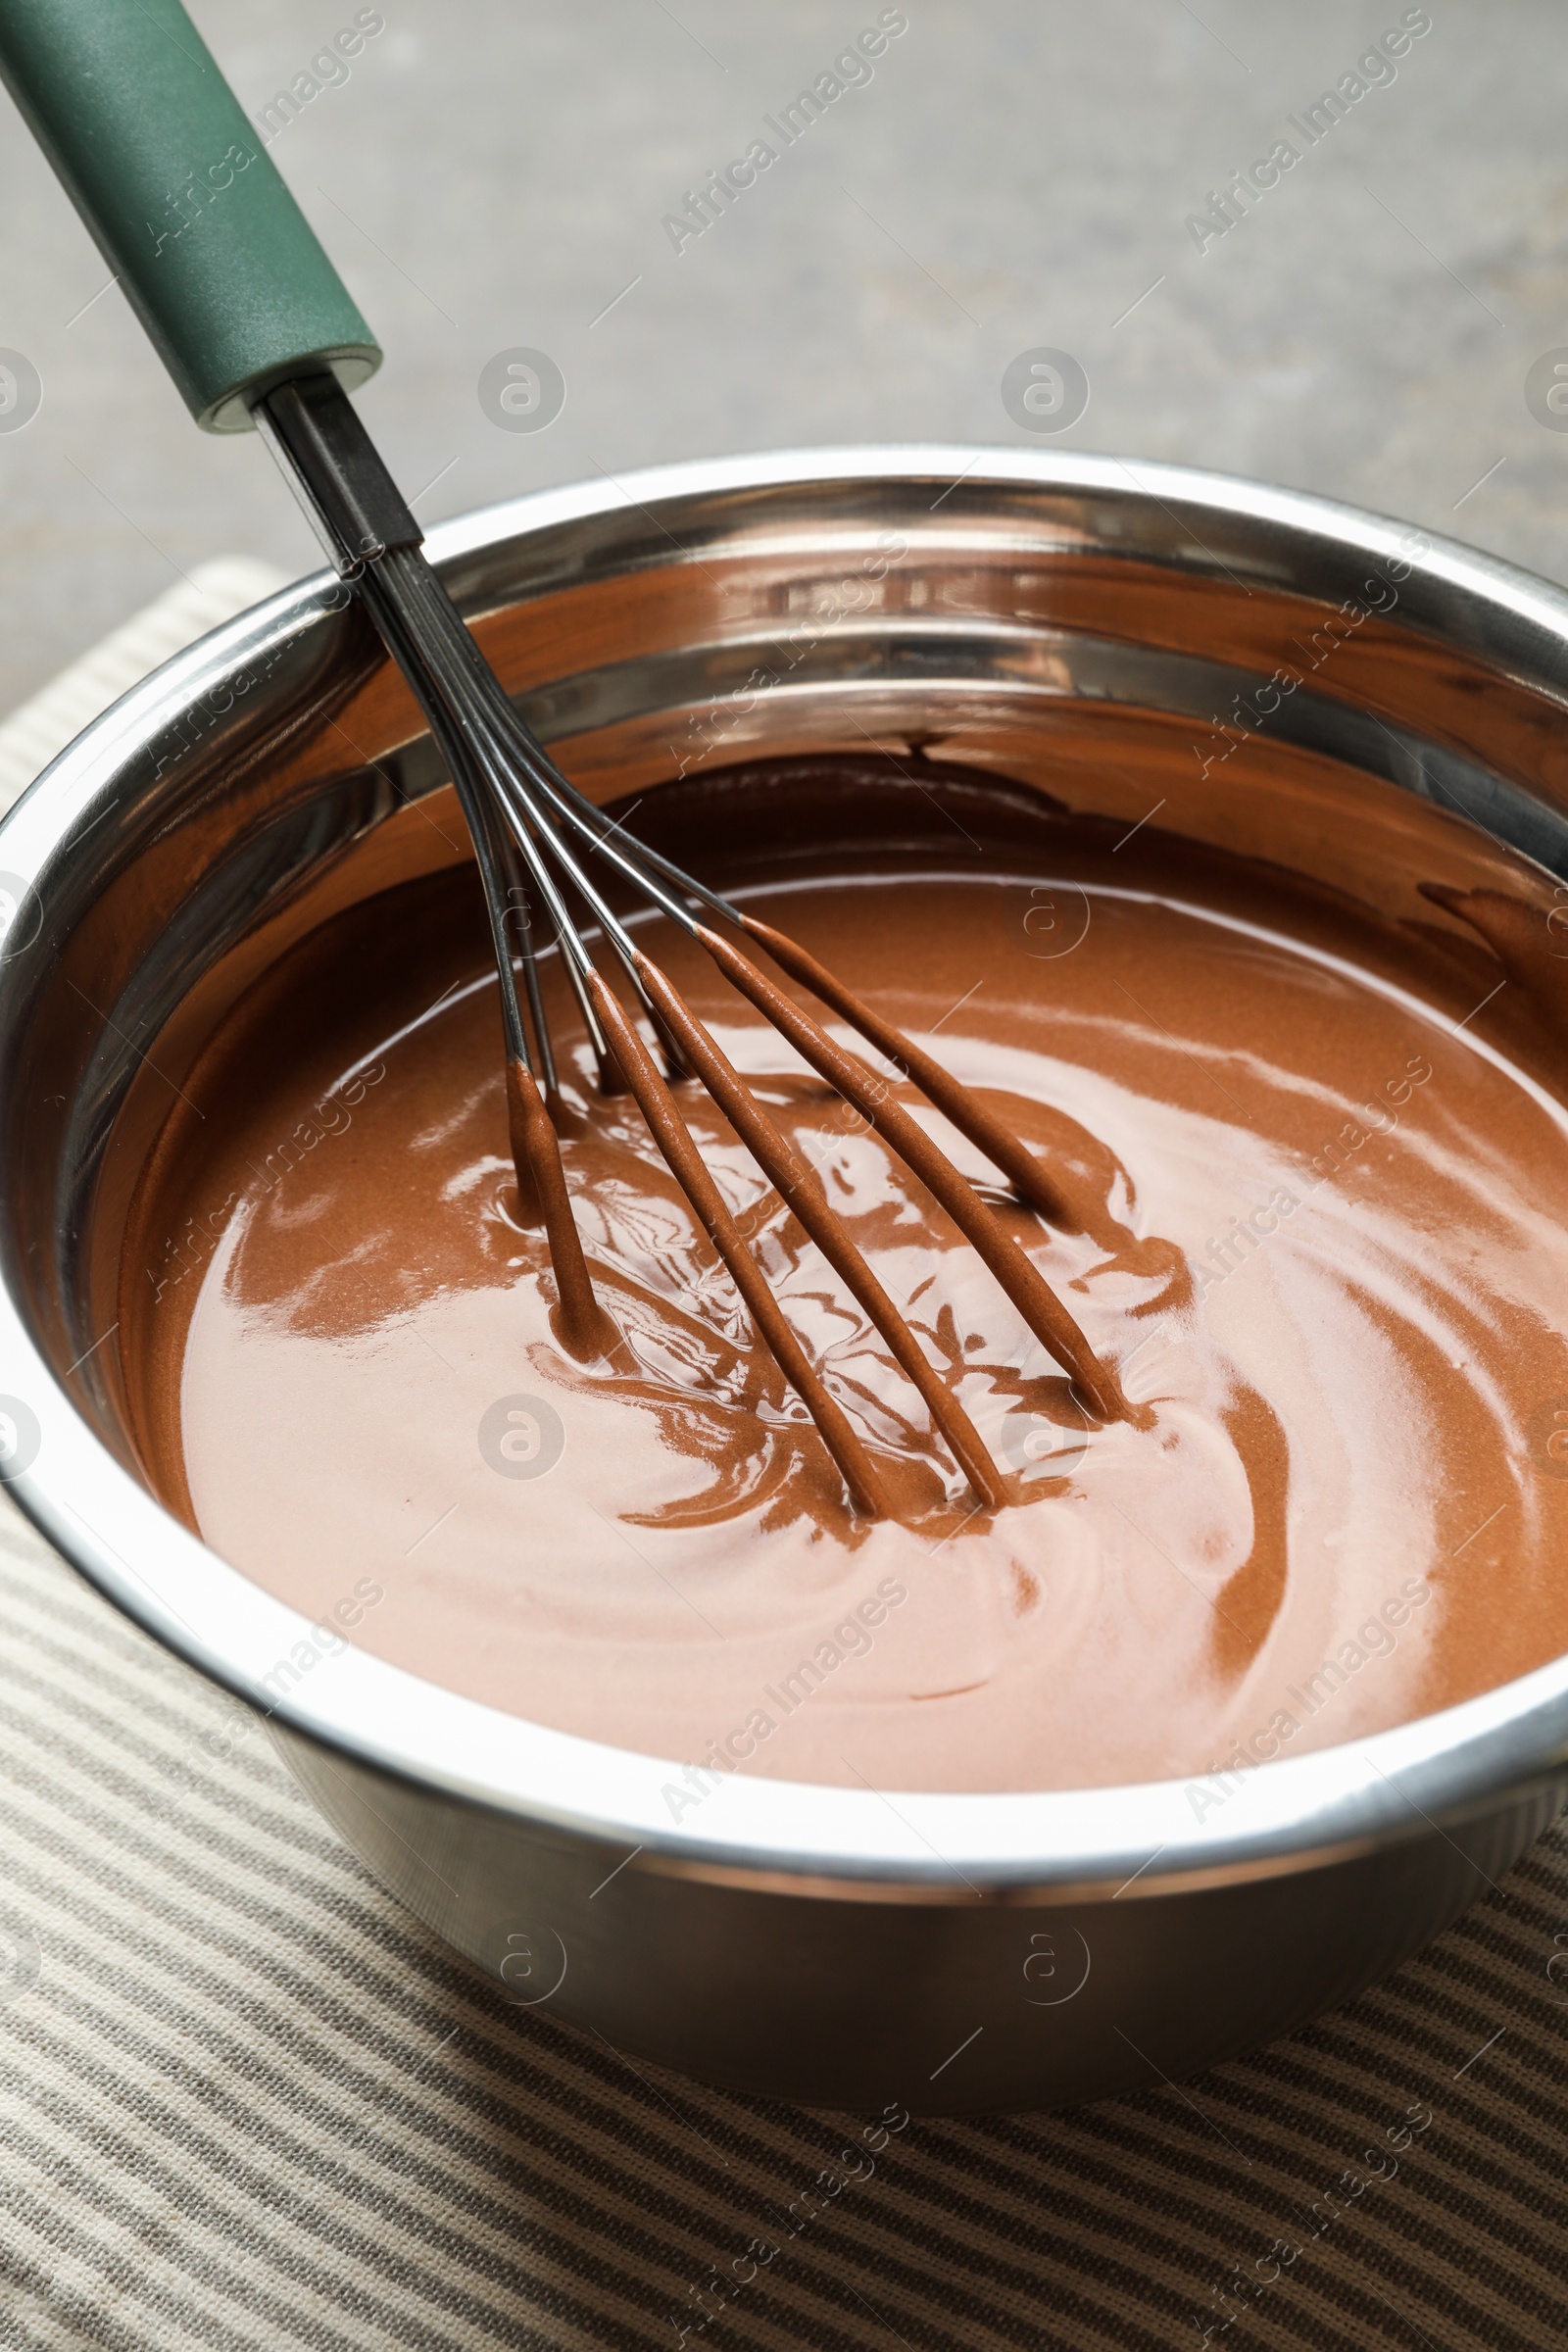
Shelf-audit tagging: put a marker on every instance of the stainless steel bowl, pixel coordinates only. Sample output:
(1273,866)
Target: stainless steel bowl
(1063,617)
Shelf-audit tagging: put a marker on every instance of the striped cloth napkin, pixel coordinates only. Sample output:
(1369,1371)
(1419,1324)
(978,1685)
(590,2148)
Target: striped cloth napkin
(247,2102)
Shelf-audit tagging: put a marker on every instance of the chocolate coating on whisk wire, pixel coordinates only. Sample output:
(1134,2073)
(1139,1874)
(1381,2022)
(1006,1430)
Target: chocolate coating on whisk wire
(802,1187)
(1028,1176)
(583,1327)
(687,1166)
(1033,1296)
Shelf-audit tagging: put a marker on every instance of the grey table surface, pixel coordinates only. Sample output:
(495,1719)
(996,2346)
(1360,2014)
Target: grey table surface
(243,2099)
(1013,175)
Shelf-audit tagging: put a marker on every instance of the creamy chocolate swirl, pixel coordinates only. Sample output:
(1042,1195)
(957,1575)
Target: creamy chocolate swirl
(1321,1231)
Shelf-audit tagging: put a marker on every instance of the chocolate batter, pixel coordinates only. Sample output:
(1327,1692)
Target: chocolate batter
(1317,1230)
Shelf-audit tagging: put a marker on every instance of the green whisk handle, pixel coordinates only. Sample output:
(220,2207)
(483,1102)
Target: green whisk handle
(171,176)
